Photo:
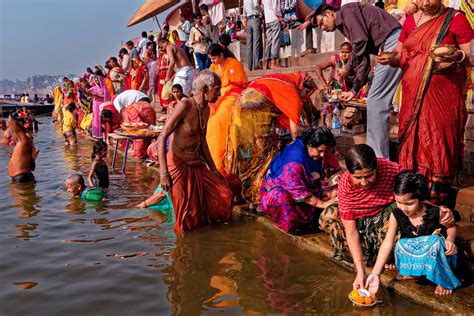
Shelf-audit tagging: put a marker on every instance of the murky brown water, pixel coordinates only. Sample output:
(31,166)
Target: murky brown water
(60,256)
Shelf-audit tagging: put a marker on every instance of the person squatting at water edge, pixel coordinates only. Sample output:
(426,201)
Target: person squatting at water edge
(358,224)
(422,249)
(292,194)
(22,163)
(198,191)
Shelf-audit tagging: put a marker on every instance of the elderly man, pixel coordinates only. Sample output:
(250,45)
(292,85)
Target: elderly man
(22,163)
(199,194)
(179,62)
(370,30)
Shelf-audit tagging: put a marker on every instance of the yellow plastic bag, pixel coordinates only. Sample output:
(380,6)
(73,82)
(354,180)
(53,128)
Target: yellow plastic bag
(86,123)
(166,93)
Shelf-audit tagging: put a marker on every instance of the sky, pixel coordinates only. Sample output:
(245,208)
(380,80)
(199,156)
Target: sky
(57,37)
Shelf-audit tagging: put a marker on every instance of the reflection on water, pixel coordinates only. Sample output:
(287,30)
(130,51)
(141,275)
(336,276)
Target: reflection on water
(61,256)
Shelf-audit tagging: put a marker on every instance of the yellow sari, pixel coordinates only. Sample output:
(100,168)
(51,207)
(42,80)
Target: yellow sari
(58,103)
(233,78)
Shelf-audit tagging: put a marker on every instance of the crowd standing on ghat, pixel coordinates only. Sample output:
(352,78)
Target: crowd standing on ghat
(227,140)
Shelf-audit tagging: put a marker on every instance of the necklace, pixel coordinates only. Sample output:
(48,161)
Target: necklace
(441,10)
(202,124)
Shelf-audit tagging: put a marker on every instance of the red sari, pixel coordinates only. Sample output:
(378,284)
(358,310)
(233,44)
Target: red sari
(163,61)
(139,74)
(433,113)
(140,111)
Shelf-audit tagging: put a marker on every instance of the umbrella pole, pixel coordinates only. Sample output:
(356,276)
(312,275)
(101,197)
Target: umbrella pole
(157,22)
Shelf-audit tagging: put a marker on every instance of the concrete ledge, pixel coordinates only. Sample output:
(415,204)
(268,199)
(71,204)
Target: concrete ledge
(461,302)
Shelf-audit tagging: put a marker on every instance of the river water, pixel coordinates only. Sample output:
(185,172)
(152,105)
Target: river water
(60,256)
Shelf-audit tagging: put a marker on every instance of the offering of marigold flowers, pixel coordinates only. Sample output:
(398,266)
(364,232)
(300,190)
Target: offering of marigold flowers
(362,297)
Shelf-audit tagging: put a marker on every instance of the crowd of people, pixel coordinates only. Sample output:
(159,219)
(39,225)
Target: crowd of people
(226,139)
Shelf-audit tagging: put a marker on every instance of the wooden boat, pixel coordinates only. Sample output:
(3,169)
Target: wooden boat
(8,107)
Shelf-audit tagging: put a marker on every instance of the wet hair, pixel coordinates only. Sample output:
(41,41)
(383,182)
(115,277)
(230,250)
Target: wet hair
(17,118)
(215,50)
(71,107)
(204,7)
(411,182)
(129,43)
(99,147)
(225,39)
(319,136)
(205,78)
(106,114)
(360,157)
(321,9)
(346,44)
(123,51)
(144,34)
(76,179)
(177,86)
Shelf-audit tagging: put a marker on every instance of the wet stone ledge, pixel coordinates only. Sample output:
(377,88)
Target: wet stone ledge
(460,302)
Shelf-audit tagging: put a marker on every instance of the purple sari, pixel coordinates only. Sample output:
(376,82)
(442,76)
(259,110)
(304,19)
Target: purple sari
(292,178)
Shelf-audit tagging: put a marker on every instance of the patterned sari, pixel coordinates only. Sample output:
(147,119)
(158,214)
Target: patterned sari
(252,142)
(100,95)
(140,111)
(293,177)
(163,62)
(433,113)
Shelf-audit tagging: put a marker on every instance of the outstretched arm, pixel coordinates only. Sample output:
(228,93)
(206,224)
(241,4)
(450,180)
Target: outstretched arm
(373,280)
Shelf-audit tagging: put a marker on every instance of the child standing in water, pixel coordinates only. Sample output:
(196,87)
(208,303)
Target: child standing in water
(421,251)
(69,124)
(99,174)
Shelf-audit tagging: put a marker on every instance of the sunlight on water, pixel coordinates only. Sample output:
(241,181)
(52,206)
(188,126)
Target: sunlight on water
(61,256)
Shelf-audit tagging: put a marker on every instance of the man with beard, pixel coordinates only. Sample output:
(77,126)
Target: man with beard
(199,194)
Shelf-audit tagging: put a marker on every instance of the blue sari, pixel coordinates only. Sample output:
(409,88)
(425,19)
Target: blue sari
(424,256)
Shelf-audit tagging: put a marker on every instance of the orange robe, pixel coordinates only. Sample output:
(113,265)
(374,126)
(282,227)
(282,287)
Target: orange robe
(234,79)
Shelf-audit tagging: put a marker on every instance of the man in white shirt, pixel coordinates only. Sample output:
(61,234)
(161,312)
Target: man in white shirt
(124,99)
(184,28)
(141,48)
(273,22)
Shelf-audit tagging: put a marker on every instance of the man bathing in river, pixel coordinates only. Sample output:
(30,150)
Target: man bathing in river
(22,162)
(198,192)
(178,62)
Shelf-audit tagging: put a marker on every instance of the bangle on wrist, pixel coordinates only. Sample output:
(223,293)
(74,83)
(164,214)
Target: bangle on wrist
(463,57)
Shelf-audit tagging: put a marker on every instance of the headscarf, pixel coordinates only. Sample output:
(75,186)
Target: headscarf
(295,152)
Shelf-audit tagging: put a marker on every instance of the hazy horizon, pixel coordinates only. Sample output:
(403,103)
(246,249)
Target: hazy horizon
(55,37)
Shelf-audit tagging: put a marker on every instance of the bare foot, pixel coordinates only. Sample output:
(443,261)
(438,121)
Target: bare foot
(442,291)
(389,266)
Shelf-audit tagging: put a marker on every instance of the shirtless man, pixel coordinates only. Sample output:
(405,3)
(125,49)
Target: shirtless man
(179,62)
(198,191)
(24,154)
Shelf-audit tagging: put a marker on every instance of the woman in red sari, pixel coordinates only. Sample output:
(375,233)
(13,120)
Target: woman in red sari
(163,63)
(433,113)
(140,111)
(139,75)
